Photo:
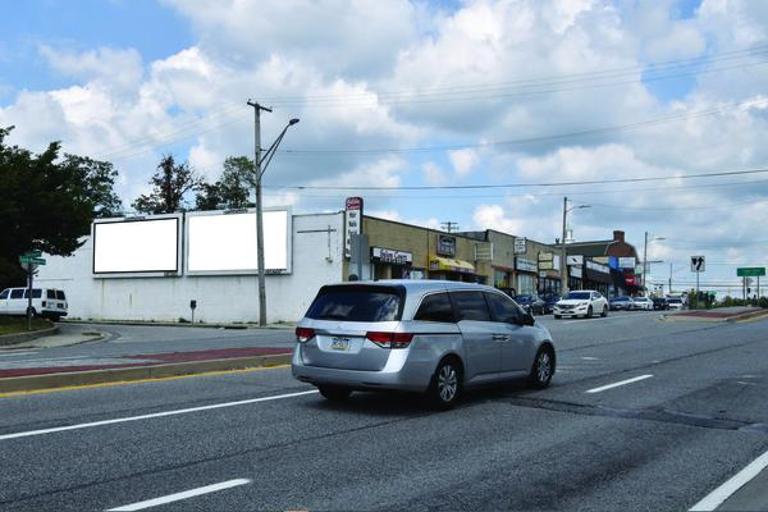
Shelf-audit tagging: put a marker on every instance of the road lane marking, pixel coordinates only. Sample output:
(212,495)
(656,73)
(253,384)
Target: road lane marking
(163,414)
(184,495)
(587,358)
(736,482)
(26,353)
(617,384)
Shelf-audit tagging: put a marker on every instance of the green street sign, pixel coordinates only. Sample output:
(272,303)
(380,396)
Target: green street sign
(33,254)
(750,271)
(26,260)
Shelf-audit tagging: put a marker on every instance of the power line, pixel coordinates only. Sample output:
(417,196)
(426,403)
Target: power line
(531,184)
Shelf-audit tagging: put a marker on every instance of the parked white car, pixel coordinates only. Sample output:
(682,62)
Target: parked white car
(46,302)
(642,303)
(675,303)
(586,303)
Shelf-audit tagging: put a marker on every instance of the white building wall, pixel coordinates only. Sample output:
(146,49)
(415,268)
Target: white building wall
(219,298)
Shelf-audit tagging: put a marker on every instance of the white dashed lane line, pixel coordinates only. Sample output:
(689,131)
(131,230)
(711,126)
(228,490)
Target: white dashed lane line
(184,495)
(620,383)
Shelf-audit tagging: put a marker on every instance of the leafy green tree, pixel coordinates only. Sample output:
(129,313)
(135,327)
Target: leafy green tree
(48,203)
(232,190)
(170,183)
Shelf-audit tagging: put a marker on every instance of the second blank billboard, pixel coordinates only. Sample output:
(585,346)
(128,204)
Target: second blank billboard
(221,243)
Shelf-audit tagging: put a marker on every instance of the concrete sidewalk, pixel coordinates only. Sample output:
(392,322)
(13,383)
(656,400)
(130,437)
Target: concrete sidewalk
(59,340)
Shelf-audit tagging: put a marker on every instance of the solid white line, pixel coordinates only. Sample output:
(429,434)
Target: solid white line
(26,353)
(141,505)
(176,412)
(620,383)
(722,493)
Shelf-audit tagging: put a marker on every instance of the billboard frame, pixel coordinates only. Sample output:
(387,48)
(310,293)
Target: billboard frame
(179,217)
(242,272)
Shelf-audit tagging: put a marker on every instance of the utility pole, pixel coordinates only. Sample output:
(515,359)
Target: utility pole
(563,266)
(645,258)
(670,278)
(259,221)
(450,226)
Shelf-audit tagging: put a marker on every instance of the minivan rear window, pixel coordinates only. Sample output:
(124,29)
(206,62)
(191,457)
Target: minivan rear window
(60,295)
(357,303)
(50,294)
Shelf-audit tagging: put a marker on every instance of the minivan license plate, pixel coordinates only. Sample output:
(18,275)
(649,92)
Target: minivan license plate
(340,344)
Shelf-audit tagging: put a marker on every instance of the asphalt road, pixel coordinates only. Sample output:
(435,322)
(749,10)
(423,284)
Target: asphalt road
(693,415)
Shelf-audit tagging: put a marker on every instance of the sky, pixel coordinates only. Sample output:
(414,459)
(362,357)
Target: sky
(402,95)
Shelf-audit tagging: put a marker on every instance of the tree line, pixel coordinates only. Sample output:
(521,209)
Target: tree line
(49,200)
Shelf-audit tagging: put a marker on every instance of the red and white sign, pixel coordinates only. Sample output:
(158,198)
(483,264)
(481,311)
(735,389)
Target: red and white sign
(353,214)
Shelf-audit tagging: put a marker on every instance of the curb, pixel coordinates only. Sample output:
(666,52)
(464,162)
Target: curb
(754,315)
(179,324)
(158,371)
(16,338)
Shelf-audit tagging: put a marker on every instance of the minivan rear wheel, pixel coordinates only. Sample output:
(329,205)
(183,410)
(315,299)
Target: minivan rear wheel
(446,387)
(334,393)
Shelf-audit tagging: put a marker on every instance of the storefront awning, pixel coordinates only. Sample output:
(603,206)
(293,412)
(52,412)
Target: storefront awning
(451,265)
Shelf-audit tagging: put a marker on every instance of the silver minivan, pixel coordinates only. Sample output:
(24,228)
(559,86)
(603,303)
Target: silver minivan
(433,337)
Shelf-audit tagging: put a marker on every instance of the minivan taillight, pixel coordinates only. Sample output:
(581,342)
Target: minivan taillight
(304,334)
(390,339)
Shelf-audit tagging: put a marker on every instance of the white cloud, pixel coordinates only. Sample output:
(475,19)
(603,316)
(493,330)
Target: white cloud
(463,161)
(433,174)
(118,68)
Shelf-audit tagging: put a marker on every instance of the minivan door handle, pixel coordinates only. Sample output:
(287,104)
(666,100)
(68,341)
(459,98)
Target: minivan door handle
(500,337)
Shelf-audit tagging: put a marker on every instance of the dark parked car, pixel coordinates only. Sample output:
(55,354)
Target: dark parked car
(531,304)
(550,299)
(660,303)
(622,303)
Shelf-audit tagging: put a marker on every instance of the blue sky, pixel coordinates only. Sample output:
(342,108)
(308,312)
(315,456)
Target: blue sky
(131,80)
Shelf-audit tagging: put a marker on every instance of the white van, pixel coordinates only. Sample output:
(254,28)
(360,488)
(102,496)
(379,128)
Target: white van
(46,302)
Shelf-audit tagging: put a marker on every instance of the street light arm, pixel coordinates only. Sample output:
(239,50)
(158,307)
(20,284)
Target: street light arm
(269,153)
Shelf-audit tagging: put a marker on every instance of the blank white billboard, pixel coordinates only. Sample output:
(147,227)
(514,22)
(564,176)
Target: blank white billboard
(222,243)
(136,246)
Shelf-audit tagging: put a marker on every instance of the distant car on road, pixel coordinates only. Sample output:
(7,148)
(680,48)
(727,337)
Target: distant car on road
(622,303)
(433,337)
(46,302)
(585,303)
(550,299)
(675,303)
(643,303)
(660,303)
(531,304)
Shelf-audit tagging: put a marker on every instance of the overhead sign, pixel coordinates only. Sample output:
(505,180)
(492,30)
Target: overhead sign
(750,271)
(521,245)
(483,252)
(525,265)
(134,246)
(574,259)
(353,221)
(576,271)
(598,267)
(391,256)
(225,242)
(446,245)
(627,263)
(697,264)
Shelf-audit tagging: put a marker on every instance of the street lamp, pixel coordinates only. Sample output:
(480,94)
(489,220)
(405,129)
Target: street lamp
(259,171)
(645,253)
(563,264)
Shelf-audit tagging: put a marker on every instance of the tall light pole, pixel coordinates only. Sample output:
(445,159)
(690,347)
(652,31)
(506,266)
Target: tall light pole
(563,263)
(258,173)
(645,254)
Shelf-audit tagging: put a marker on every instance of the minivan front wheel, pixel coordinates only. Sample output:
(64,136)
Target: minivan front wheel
(446,384)
(334,393)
